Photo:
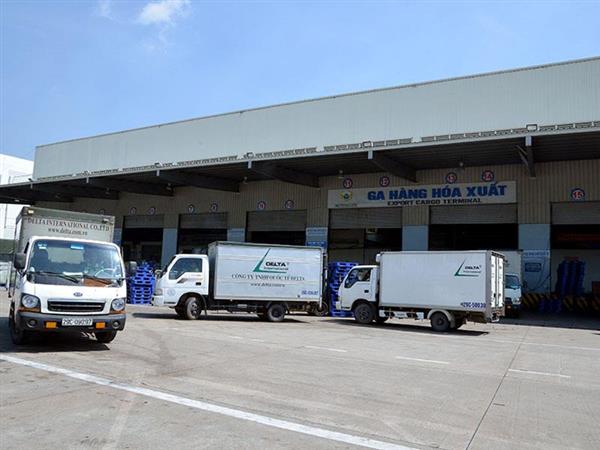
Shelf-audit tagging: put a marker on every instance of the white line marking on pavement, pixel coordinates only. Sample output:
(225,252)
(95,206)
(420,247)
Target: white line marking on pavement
(314,347)
(236,337)
(533,372)
(433,361)
(204,406)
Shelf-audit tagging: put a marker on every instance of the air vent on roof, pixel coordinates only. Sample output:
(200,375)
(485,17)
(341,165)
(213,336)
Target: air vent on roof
(457,136)
(564,126)
(583,125)
(404,141)
(329,148)
(428,139)
(378,143)
(442,137)
(547,128)
(391,142)
(341,147)
(353,146)
(488,133)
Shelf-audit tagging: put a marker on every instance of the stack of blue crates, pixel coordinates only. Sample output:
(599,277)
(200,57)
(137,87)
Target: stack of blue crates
(140,286)
(337,272)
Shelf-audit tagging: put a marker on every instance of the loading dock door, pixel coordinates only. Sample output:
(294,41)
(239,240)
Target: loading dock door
(479,214)
(142,238)
(575,234)
(472,227)
(196,231)
(358,234)
(277,227)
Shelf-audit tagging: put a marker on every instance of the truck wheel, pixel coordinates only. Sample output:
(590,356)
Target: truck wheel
(104,337)
(364,313)
(18,336)
(439,322)
(276,312)
(192,309)
(180,312)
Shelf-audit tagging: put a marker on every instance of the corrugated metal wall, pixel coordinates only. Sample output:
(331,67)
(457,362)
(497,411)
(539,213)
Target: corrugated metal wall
(553,184)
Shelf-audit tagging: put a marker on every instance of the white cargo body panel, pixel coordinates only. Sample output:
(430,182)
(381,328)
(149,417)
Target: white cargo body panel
(448,280)
(260,272)
(34,221)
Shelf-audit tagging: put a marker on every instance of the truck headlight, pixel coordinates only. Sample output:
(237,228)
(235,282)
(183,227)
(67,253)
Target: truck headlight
(118,304)
(30,301)
(158,291)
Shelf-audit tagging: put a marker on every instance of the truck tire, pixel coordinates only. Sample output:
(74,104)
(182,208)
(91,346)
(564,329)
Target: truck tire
(104,337)
(192,308)
(276,312)
(364,313)
(180,312)
(18,336)
(439,322)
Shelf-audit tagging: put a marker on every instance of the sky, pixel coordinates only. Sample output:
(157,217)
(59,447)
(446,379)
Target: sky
(77,68)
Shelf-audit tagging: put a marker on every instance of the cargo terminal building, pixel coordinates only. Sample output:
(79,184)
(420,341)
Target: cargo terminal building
(507,160)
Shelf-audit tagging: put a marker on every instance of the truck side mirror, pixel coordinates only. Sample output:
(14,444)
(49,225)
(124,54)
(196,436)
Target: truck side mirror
(20,260)
(131,267)
(158,273)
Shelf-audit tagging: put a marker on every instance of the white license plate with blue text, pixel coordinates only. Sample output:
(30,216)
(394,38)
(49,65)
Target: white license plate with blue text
(77,322)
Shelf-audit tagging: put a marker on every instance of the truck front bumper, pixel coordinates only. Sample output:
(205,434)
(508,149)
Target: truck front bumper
(159,300)
(53,322)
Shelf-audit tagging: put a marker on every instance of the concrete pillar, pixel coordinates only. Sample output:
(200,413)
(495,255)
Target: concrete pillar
(236,234)
(534,240)
(117,236)
(415,237)
(169,245)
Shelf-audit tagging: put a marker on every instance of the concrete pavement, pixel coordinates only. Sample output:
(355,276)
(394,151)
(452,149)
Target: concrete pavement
(496,386)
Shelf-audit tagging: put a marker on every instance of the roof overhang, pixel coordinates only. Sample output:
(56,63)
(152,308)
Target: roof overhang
(305,168)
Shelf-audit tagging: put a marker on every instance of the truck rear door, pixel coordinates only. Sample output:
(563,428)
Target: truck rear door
(497,280)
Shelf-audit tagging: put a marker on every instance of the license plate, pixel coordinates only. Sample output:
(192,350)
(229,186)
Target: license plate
(77,321)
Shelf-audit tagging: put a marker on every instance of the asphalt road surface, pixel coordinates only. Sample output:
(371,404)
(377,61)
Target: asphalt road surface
(232,381)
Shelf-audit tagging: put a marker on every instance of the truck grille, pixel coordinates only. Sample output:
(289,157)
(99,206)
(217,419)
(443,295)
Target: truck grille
(64,306)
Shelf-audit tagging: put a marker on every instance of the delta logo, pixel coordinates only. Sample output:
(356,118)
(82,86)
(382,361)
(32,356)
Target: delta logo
(271,265)
(468,270)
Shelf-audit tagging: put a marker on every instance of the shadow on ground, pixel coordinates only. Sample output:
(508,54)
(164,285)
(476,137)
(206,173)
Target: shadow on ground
(211,317)
(563,320)
(50,342)
(398,325)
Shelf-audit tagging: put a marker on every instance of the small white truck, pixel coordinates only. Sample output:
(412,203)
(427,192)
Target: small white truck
(446,287)
(269,280)
(69,275)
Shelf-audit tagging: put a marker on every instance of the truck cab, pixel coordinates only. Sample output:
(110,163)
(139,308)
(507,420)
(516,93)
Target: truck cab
(359,284)
(64,284)
(185,276)
(512,294)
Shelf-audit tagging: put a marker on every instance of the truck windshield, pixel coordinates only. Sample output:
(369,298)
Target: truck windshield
(68,262)
(512,282)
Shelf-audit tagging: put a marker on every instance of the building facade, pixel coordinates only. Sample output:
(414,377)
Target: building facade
(507,161)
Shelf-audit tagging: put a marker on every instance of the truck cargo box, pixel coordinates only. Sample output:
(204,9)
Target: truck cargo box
(450,280)
(262,272)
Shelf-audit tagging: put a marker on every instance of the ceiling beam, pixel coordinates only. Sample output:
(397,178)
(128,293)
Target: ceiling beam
(14,201)
(284,174)
(135,187)
(392,166)
(29,195)
(76,191)
(199,181)
(527,155)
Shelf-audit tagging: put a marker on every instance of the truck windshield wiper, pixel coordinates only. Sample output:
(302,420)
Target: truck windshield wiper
(57,274)
(101,280)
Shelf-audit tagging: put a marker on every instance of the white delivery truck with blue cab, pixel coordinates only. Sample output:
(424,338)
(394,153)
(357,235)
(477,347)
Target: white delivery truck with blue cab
(69,275)
(269,280)
(446,287)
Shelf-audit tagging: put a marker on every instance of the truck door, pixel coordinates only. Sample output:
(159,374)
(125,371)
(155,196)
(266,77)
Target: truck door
(359,285)
(185,274)
(497,280)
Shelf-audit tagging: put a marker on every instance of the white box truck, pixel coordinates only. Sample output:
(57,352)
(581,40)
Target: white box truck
(269,280)
(69,275)
(446,287)
(513,276)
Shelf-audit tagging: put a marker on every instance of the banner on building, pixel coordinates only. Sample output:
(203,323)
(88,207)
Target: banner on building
(429,195)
